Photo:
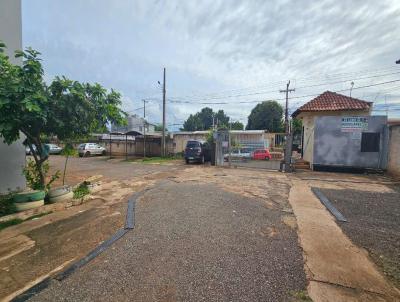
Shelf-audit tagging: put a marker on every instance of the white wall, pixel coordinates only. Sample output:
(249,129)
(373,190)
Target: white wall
(394,151)
(12,158)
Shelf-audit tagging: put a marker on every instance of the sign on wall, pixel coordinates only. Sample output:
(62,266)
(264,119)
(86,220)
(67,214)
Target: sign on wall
(354,124)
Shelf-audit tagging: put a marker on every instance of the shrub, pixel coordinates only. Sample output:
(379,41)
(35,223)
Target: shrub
(81,191)
(33,176)
(7,205)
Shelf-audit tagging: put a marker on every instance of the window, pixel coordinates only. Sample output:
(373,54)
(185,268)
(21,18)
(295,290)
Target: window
(370,141)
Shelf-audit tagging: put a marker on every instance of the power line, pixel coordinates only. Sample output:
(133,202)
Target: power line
(301,87)
(350,75)
(281,99)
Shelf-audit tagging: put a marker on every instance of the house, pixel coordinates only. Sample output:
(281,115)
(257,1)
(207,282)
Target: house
(339,131)
(135,124)
(12,157)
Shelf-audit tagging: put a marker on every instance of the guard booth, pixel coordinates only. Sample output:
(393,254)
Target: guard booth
(350,142)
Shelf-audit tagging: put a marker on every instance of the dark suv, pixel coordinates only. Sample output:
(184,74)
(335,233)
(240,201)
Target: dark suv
(197,151)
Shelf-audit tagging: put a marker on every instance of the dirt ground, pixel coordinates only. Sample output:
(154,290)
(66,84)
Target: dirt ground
(202,233)
(56,240)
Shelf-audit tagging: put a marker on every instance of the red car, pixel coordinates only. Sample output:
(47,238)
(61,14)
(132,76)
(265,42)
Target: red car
(261,154)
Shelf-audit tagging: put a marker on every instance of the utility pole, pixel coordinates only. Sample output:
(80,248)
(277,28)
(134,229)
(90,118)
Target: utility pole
(144,128)
(289,141)
(351,88)
(163,120)
(287,90)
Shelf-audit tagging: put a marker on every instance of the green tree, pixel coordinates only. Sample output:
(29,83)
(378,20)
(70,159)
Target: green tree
(266,116)
(203,120)
(237,126)
(159,128)
(297,126)
(65,108)
(193,123)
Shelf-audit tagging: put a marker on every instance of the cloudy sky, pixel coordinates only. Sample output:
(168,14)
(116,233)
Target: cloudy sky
(222,54)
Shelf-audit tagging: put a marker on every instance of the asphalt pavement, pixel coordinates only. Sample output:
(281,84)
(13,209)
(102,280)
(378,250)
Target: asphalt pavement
(193,242)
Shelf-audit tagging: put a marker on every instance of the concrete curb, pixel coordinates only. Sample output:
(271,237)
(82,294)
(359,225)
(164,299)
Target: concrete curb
(129,225)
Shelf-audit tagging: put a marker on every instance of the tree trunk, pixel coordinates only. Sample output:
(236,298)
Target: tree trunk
(65,168)
(41,174)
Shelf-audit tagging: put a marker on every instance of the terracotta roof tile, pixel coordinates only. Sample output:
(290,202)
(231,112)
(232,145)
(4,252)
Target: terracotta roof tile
(332,101)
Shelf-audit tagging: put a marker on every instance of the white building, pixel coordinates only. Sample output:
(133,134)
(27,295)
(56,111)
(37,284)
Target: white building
(12,157)
(136,124)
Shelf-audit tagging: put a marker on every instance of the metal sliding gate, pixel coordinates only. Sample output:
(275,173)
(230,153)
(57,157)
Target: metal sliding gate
(237,150)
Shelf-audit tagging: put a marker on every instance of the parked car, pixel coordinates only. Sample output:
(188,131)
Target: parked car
(54,149)
(238,154)
(197,151)
(89,149)
(261,154)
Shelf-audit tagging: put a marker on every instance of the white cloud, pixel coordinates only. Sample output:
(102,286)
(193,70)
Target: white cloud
(212,46)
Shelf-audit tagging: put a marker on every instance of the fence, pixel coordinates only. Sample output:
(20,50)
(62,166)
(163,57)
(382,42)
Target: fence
(251,151)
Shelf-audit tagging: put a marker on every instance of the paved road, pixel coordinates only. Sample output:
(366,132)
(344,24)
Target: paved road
(193,242)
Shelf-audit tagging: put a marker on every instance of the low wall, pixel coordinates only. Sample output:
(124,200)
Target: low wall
(394,151)
(135,148)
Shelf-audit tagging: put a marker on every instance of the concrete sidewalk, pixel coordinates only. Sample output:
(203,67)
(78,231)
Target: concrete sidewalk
(337,269)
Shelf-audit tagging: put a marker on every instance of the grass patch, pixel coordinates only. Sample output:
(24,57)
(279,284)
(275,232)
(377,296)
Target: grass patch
(8,223)
(81,191)
(300,296)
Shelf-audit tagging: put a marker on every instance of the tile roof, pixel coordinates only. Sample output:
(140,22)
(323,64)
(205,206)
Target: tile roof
(332,101)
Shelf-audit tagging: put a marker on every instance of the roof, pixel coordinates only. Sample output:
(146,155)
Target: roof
(394,122)
(332,101)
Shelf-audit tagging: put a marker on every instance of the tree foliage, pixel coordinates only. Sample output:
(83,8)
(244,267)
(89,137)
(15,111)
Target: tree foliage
(203,120)
(237,126)
(297,126)
(67,109)
(266,116)
(159,128)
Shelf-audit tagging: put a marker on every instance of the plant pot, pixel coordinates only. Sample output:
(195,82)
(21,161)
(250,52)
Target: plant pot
(59,191)
(29,196)
(23,206)
(64,197)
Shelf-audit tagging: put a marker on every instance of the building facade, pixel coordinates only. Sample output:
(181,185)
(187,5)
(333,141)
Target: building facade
(394,149)
(135,124)
(12,157)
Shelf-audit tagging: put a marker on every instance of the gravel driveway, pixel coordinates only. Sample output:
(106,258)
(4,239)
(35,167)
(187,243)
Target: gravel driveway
(373,223)
(193,242)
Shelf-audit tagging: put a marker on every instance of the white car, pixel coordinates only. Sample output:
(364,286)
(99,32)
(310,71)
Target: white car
(238,154)
(54,149)
(88,149)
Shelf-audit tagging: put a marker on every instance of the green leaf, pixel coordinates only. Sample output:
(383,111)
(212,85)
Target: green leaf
(19,53)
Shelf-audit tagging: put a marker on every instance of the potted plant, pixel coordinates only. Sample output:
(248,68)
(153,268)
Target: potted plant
(64,192)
